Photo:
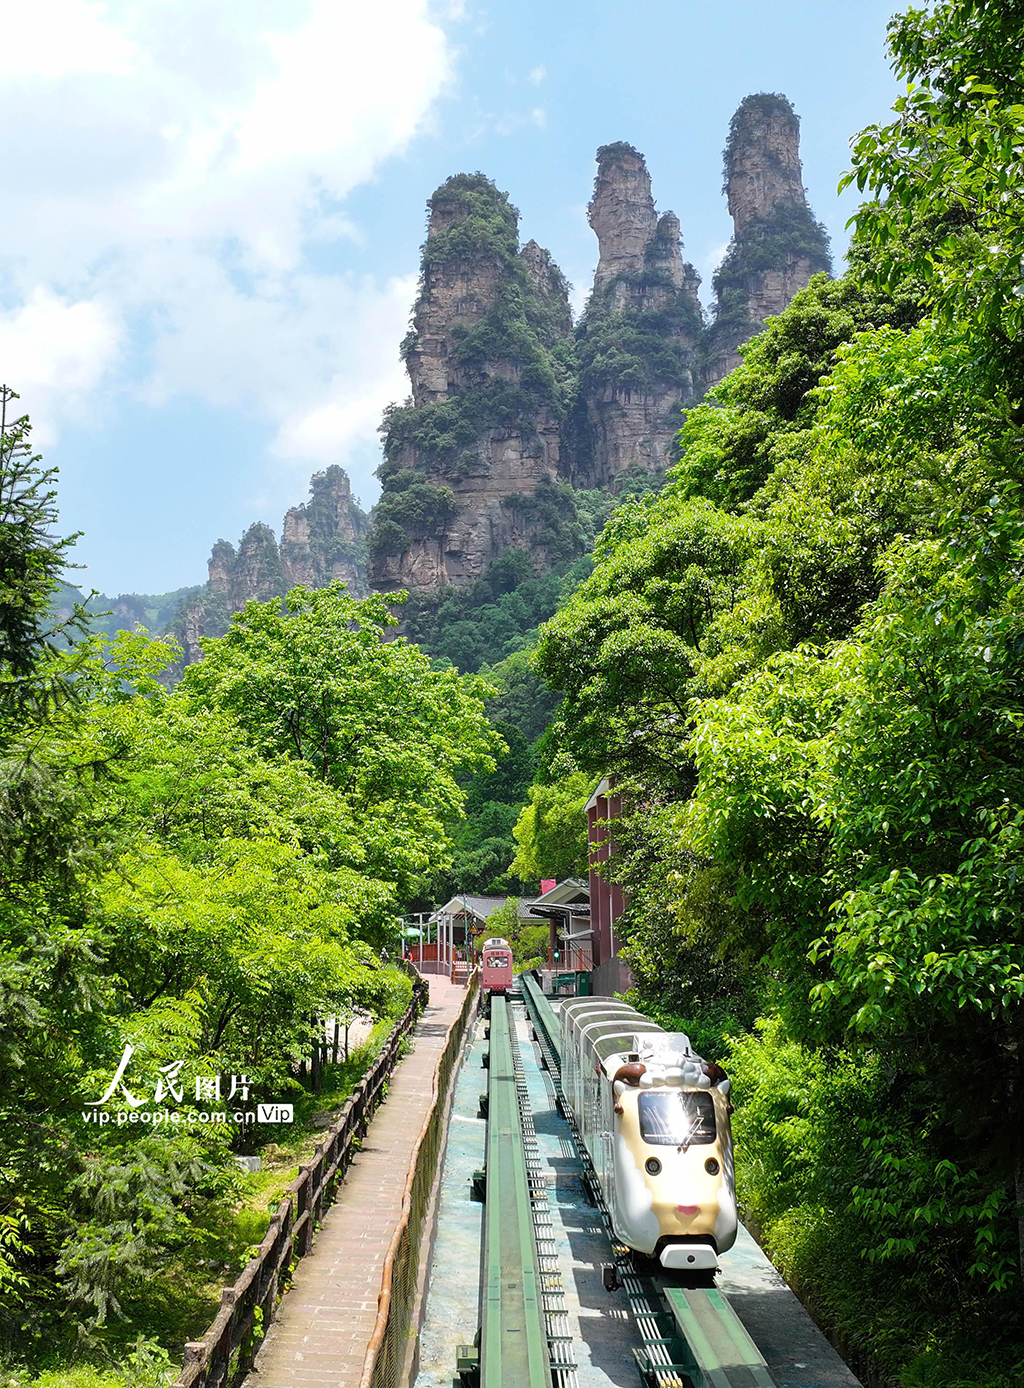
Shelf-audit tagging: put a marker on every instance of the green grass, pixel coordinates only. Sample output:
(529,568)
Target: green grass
(145,1365)
(74,1376)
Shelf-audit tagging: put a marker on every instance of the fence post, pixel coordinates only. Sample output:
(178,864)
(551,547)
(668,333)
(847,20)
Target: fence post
(195,1355)
(302,1208)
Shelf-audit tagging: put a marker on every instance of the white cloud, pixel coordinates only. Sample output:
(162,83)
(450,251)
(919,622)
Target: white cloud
(174,161)
(537,74)
(514,121)
(55,353)
(711,260)
(369,376)
(706,265)
(51,38)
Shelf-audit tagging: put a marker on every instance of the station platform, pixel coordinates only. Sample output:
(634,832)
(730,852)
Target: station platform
(320,1334)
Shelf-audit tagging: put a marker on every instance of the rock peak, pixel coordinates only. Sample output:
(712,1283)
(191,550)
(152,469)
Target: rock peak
(322,540)
(621,212)
(777,246)
(762,159)
(472,463)
(639,330)
(472,236)
(551,287)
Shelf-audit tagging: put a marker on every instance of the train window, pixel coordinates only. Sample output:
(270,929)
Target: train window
(498,961)
(675,1118)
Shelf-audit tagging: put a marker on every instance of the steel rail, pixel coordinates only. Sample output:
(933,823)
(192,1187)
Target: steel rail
(543,1016)
(556,1319)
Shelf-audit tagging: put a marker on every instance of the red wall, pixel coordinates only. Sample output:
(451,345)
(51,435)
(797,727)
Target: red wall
(606,898)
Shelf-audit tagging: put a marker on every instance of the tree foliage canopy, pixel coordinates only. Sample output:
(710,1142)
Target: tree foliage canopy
(202,875)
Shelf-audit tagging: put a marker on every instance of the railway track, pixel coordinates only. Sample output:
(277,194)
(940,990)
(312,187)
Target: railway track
(690,1337)
(524,1339)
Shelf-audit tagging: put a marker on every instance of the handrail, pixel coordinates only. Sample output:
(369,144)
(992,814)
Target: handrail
(227,1351)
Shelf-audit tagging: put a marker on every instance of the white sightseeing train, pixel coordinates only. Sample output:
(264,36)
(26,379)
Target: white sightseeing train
(655,1120)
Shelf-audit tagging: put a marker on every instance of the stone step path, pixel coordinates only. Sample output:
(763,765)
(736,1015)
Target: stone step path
(319,1337)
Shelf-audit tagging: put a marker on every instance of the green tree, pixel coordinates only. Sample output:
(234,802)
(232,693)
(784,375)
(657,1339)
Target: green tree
(32,559)
(202,874)
(953,154)
(317,682)
(551,831)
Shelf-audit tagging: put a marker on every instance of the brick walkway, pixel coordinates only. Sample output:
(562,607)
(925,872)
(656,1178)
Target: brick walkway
(319,1336)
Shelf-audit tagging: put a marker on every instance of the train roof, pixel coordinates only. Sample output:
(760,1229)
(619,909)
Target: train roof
(612,1031)
(586,1020)
(495,942)
(576,1010)
(580,1019)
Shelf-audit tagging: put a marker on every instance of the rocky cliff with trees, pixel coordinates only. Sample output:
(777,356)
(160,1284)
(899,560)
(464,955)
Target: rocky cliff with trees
(322,541)
(635,342)
(516,415)
(522,427)
(475,463)
(776,245)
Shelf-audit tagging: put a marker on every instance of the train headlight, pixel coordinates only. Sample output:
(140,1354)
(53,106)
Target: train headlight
(711,1167)
(652,1165)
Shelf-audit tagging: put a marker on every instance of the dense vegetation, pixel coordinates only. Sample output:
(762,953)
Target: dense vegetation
(803,660)
(491,627)
(193,880)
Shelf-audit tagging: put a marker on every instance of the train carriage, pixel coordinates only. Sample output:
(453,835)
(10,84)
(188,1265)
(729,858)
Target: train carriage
(655,1119)
(495,966)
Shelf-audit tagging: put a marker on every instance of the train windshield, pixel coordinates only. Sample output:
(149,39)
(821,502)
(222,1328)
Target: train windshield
(498,961)
(675,1118)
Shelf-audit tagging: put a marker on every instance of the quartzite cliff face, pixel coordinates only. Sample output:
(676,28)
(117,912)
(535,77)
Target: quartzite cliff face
(509,403)
(322,540)
(472,461)
(637,337)
(777,245)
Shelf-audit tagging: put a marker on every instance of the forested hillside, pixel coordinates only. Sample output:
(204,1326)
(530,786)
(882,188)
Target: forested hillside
(193,881)
(804,662)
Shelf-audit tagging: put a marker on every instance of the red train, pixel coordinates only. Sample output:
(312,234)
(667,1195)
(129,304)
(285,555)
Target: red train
(495,966)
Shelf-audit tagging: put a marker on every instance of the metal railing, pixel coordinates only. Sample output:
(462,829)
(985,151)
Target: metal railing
(226,1352)
(389,1346)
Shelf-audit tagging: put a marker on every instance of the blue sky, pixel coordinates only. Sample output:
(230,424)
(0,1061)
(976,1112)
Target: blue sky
(211,238)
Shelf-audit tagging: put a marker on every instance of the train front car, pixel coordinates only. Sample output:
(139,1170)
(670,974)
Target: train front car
(495,966)
(655,1118)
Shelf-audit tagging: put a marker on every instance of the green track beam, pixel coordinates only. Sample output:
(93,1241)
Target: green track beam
(723,1354)
(542,1013)
(513,1340)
